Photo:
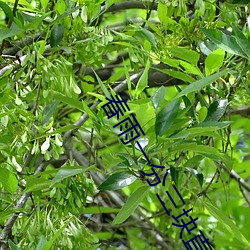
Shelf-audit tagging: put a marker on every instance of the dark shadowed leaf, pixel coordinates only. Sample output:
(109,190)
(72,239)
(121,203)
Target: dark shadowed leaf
(117,181)
(166,117)
(174,172)
(216,110)
(56,35)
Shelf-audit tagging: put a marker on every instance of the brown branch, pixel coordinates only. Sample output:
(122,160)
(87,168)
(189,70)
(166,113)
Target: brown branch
(235,176)
(148,14)
(21,44)
(16,63)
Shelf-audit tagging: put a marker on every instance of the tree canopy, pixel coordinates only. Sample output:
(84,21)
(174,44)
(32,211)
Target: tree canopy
(68,180)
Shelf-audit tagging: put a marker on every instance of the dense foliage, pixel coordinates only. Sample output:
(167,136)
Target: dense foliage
(66,179)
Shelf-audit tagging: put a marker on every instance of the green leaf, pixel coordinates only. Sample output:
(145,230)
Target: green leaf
(236,32)
(44,3)
(143,81)
(9,211)
(158,97)
(174,172)
(219,125)
(132,203)
(7,10)
(214,61)
(41,243)
(227,223)
(189,68)
(223,41)
(35,183)
(177,74)
(66,172)
(186,54)
(36,21)
(198,175)
(193,132)
(104,89)
(204,150)
(166,117)
(56,35)
(162,12)
(8,180)
(98,210)
(49,110)
(197,85)
(244,45)
(9,32)
(49,244)
(202,114)
(117,181)
(13,246)
(70,101)
(147,35)
(216,110)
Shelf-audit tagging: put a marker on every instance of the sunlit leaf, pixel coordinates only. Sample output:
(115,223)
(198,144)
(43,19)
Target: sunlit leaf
(214,61)
(8,180)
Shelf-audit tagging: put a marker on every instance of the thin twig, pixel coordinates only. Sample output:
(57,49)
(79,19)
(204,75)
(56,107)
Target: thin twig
(244,195)
(235,176)
(148,14)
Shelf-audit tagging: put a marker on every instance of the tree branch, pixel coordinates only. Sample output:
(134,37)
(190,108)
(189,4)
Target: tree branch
(21,44)
(235,176)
